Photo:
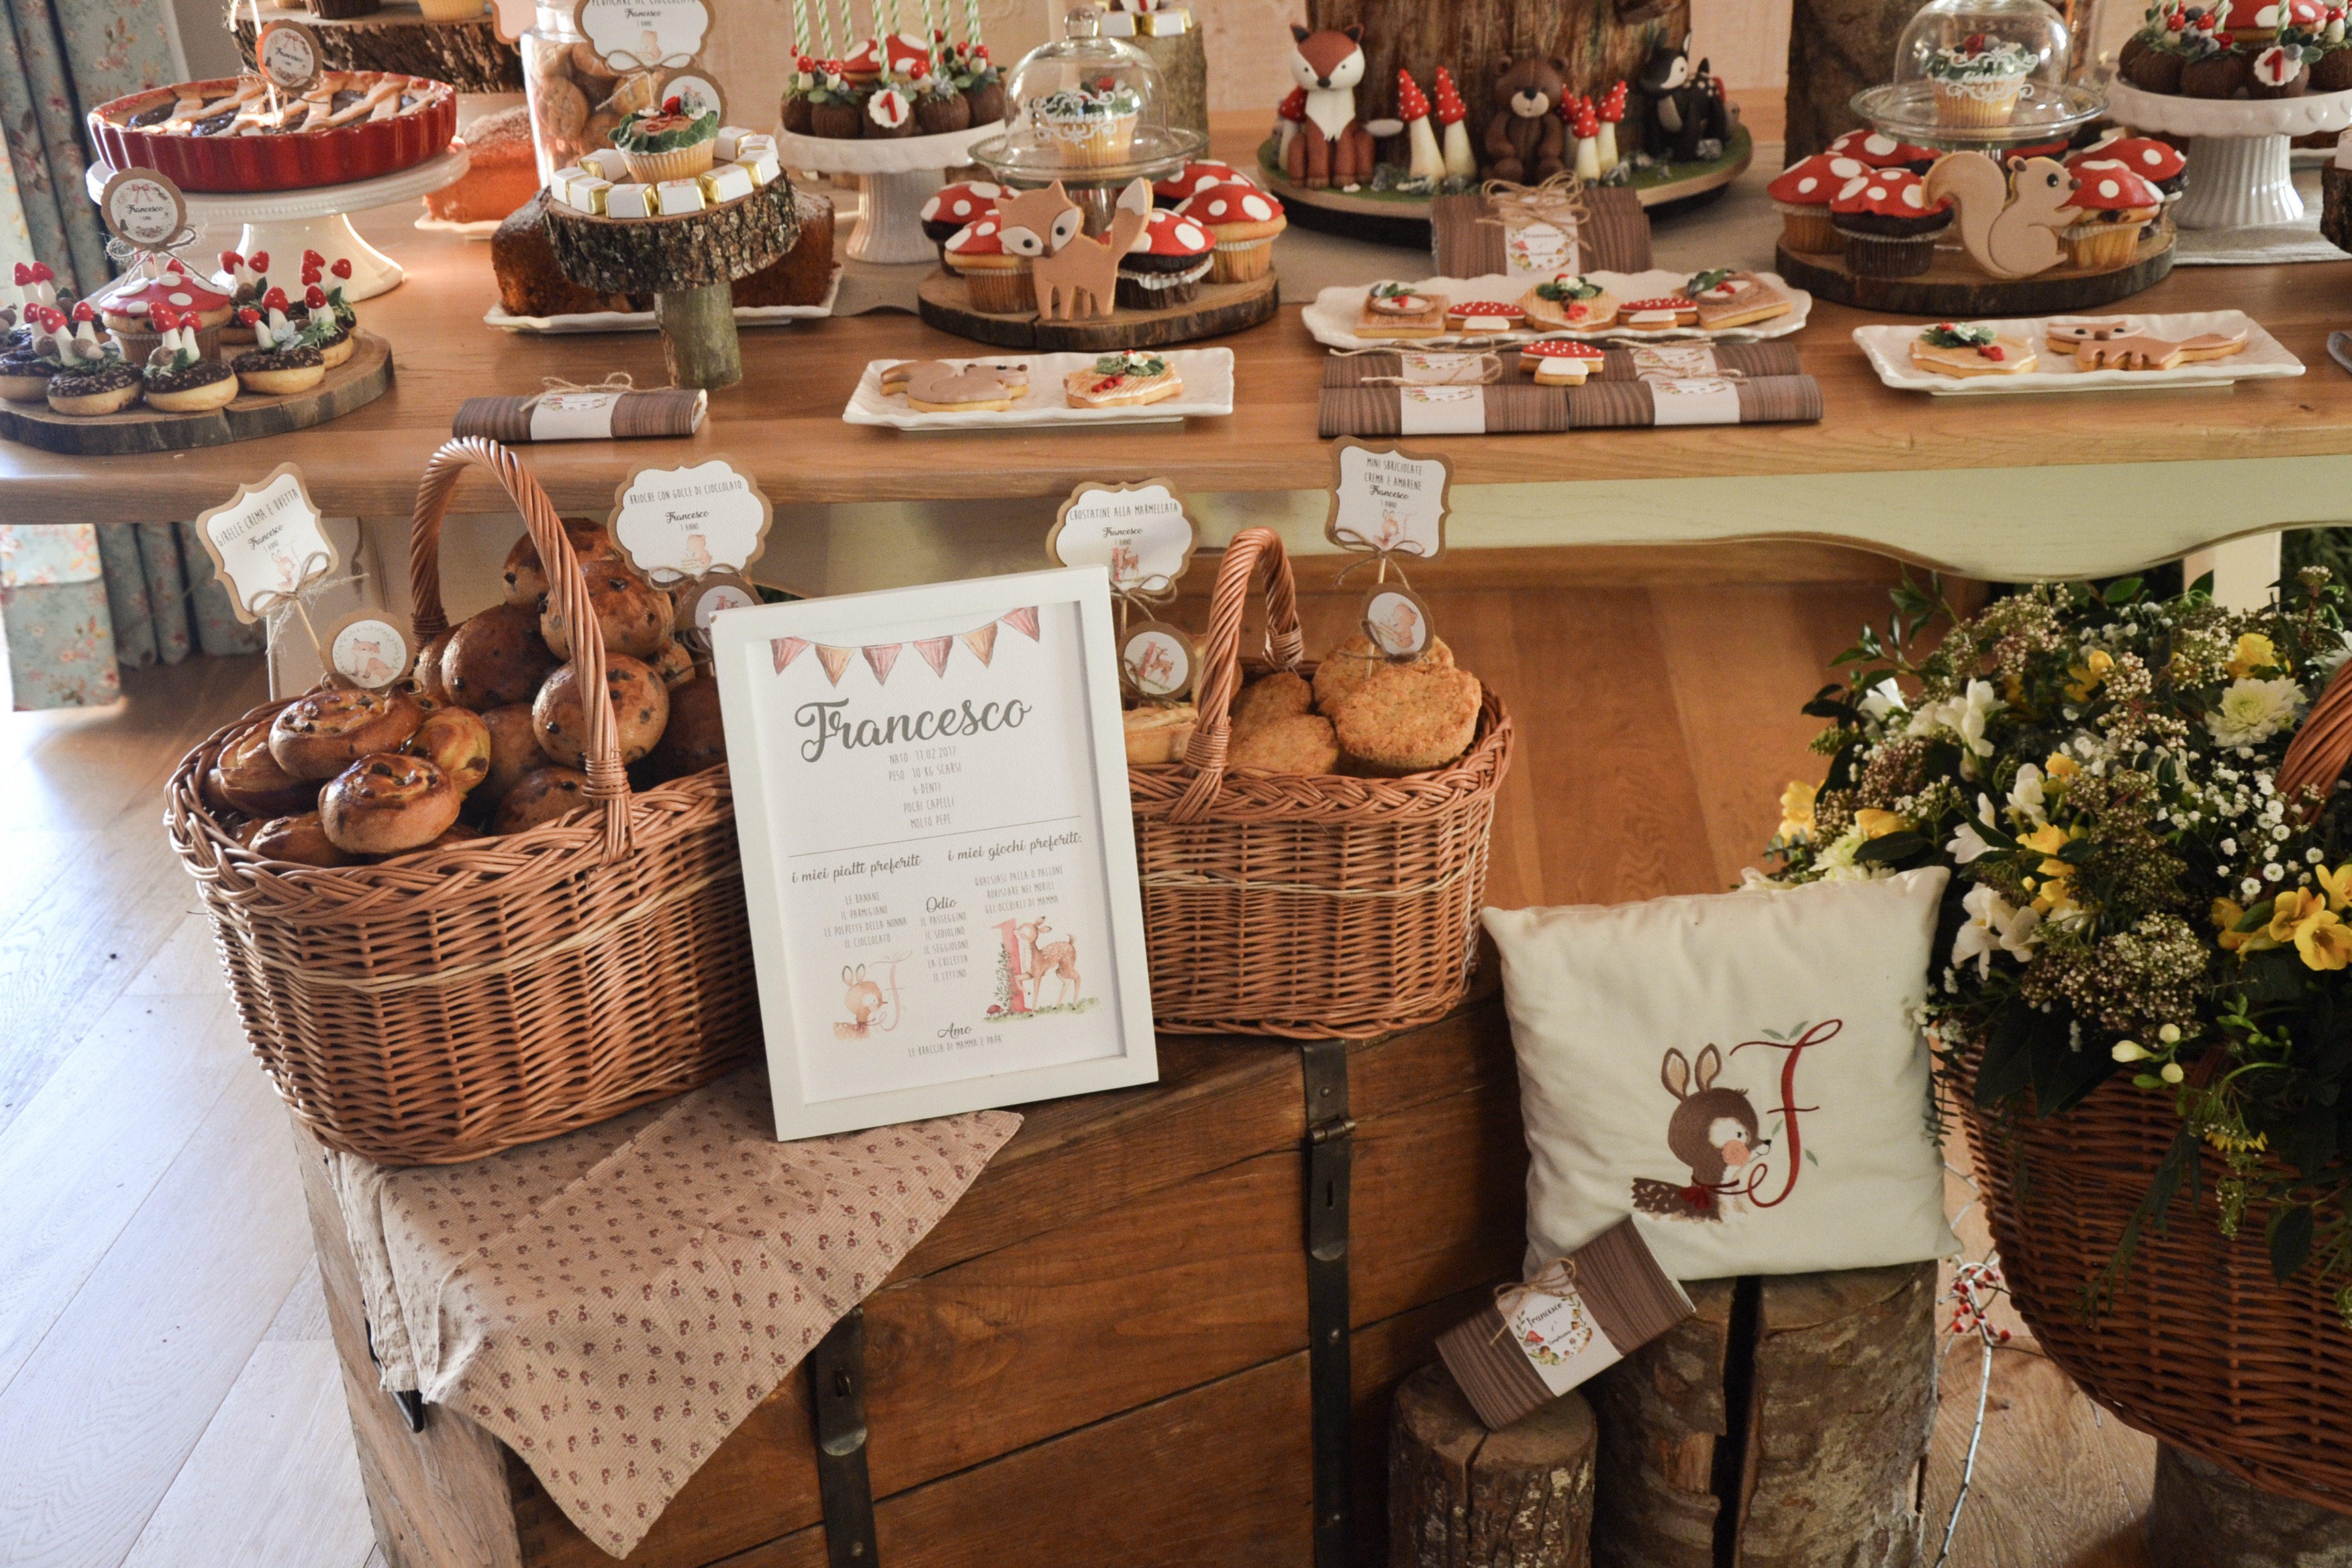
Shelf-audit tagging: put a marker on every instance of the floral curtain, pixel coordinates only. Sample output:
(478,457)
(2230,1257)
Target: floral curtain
(57,59)
(78,601)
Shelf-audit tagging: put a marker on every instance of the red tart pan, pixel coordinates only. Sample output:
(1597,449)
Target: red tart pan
(290,162)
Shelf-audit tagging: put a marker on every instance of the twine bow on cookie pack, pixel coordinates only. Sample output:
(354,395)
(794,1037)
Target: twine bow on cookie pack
(1556,1279)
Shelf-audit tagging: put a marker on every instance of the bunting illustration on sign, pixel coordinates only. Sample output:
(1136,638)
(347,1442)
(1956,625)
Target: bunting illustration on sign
(883,658)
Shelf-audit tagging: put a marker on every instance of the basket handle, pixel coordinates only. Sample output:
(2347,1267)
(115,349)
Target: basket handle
(1252,550)
(567,596)
(2321,749)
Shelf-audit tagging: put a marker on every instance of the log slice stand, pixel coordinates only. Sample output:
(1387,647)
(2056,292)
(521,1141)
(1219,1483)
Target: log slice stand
(689,263)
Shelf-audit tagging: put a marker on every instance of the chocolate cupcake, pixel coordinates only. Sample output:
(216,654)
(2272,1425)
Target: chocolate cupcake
(2218,75)
(889,114)
(940,109)
(1166,263)
(1887,225)
(837,111)
(2277,73)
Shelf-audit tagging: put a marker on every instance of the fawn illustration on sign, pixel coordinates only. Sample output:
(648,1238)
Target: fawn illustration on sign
(1716,1134)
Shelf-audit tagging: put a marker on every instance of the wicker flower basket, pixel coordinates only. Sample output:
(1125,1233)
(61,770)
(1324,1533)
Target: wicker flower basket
(2200,1345)
(499,991)
(1308,906)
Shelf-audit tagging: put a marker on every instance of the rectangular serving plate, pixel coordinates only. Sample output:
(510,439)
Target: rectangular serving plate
(643,321)
(1333,316)
(1888,349)
(1207,375)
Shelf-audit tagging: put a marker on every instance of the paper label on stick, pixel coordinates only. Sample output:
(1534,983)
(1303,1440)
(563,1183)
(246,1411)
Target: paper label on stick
(1561,1340)
(1158,661)
(640,35)
(1383,499)
(368,650)
(146,209)
(573,416)
(686,523)
(1139,533)
(287,53)
(267,541)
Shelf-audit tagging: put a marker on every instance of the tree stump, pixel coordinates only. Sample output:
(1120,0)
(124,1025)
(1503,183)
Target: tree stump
(1463,1497)
(1183,61)
(1837,47)
(1803,1402)
(467,55)
(2205,1517)
(1602,41)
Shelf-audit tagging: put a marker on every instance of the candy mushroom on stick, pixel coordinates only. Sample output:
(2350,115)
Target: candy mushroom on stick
(1612,111)
(1453,117)
(1287,118)
(1586,125)
(38,283)
(1426,162)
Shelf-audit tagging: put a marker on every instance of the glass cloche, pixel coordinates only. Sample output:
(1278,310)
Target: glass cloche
(1087,110)
(1983,73)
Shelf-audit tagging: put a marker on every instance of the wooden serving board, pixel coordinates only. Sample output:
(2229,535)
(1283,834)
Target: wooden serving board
(1953,287)
(357,382)
(467,55)
(1217,309)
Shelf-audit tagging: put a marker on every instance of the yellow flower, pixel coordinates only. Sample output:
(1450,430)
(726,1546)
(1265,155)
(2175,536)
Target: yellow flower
(1876,823)
(2229,1142)
(2226,914)
(1797,810)
(2337,882)
(2088,674)
(2303,917)
(2059,765)
(2253,652)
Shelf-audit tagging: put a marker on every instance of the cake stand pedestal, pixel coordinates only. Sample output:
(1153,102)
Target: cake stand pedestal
(897,176)
(2238,169)
(285,224)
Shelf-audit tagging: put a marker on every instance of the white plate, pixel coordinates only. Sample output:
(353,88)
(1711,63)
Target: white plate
(1333,316)
(477,228)
(1207,375)
(1888,350)
(643,321)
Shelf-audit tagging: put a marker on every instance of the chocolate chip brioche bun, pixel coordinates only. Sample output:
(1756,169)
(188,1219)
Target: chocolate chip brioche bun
(249,778)
(495,658)
(540,795)
(694,739)
(514,752)
(326,731)
(455,741)
(426,671)
(674,664)
(387,802)
(301,839)
(526,577)
(640,711)
(635,617)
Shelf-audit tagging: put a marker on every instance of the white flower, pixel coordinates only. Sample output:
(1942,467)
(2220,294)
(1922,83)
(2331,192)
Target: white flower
(1967,843)
(1965,716)
(2331,660)
(1881,700)
(2253,711)
(1994,926)
(2025,798)
(1837,863)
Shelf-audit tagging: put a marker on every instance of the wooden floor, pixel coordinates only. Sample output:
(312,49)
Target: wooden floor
(168,1395)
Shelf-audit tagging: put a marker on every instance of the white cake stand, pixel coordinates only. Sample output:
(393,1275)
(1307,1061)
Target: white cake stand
(898,174)
(2238,175)
(287,222)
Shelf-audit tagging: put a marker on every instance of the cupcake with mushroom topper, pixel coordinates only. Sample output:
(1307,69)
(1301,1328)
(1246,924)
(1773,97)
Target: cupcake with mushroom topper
(2116,205)
(1165,264)
(1243,220)
(950,208)
(1877,149)
(179,376)
(1192,179)
(26,370)
(161,282)
(998,281)
(1887,223)
(1801,192)
(2161,163)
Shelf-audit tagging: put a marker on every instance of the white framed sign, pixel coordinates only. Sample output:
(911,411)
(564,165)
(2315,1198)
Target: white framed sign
(1386,501)
(937,856)
(674,523)
(267,541)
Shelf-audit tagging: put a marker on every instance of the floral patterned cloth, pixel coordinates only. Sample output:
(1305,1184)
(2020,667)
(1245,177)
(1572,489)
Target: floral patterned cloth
(611,1304)
(76,600)
(60,58)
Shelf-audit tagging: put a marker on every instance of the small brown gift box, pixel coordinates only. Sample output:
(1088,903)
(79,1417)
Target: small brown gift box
(1579,1316)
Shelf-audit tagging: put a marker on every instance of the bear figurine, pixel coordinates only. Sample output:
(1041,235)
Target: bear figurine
(1525,140)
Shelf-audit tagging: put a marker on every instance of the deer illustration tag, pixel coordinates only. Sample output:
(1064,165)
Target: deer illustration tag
(1716,1132)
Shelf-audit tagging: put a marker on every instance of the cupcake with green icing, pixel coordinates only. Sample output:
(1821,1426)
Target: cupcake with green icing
(667,144)
(1978,80)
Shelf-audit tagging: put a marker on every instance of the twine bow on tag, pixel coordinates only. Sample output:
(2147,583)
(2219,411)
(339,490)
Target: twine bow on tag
(556,386)
(1490,371)
(1556,1278)
(1558,200)
(277,607)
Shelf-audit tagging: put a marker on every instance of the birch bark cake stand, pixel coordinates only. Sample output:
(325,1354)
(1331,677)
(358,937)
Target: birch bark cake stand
(688,262)
(2238,172)
(287,222)
(898,174)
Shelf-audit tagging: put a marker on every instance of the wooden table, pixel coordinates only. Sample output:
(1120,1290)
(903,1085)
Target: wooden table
(2005,488)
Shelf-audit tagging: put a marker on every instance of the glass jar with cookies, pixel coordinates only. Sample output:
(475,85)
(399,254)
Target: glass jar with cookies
(576,99)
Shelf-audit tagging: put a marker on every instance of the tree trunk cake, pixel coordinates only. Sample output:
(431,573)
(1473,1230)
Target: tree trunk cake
(1792,1412)
(465,55)
(1474,40)
(1836,48)
(1460,1496)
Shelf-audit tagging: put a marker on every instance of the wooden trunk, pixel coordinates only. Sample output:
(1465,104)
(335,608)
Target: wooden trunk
(1098,1357)
(1473,39)
(1463,1497)
(1804,1402)
(2204,1517)
(1837,47)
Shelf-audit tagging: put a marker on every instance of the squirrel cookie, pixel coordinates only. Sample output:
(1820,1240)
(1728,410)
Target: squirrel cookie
(2009,221)
(935,386)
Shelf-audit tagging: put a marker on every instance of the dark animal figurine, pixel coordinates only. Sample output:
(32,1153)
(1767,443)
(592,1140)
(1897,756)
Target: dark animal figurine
(1526,140)
(1713,1130)
(1683,107)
